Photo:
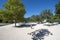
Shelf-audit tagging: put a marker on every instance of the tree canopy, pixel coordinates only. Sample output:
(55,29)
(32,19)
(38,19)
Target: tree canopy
(14,11)
(57,8)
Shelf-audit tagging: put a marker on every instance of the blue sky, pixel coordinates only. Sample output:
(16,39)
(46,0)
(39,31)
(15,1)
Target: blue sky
(34,7)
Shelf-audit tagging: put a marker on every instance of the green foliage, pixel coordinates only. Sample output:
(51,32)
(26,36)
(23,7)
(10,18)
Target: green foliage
(45,14)
(2,14)
(33,18)
(57,15)
(58,8)
(14,10)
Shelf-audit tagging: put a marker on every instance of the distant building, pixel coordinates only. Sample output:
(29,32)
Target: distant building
(45,20)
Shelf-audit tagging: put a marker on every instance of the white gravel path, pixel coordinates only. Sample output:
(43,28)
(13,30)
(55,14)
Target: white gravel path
(9,32)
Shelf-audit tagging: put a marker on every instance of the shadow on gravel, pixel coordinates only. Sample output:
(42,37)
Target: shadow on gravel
(39,34)
(26,25)
(50,24)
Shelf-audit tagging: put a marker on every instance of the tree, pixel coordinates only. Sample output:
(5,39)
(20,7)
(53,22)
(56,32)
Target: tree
(33,18)
(38,18)
(14,10)
(46,14)
(57,15)
(1,14)
(57,8)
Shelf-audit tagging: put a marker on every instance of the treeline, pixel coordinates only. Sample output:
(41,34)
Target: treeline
(14,11)
(44,15)
(47,15)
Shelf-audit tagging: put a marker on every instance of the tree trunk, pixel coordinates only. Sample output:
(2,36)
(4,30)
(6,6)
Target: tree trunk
(15,23)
